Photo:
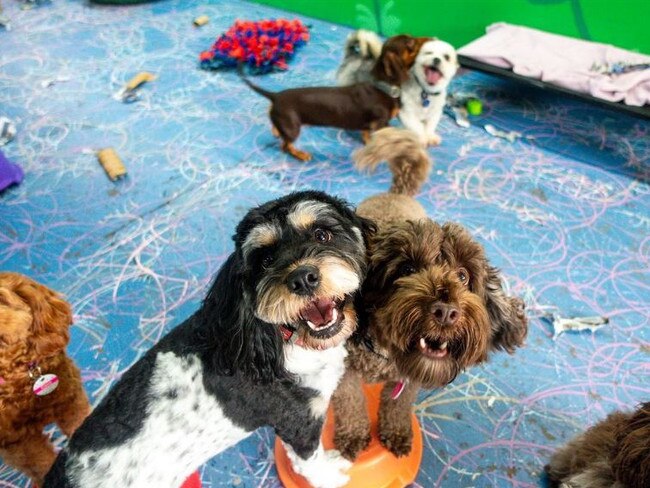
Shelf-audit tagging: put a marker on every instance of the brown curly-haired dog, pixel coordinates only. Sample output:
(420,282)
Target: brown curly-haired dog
(614,453)
(34,324)
(433,305)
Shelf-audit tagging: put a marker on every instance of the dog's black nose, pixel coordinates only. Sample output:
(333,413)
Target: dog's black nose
(446,314)
(436,61)
(303,280)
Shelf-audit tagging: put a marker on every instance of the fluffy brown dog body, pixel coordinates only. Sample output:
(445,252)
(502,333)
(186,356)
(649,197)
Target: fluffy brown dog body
(432,304)
(34,324)
(614,453)
(366,106)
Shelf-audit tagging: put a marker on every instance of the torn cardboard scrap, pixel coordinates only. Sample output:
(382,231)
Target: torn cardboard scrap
(202,20)
(111,163)
(129,93)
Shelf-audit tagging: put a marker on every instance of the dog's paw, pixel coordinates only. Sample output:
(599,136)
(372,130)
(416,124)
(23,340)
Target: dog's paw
(351,444)
(334,472)
(399,442)
(434,140)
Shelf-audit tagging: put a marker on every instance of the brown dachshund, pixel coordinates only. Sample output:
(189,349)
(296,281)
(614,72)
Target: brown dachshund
(34,324)
(364,106)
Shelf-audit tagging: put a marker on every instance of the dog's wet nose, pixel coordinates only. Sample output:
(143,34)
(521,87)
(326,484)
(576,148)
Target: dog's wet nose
(436,61)
(303,280)
(446,314)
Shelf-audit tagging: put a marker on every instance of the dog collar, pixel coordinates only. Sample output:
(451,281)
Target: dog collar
(289,335)
(424,96)
(392,91)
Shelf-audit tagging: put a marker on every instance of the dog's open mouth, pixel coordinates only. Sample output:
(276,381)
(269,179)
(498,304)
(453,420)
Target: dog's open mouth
(433,75)
(323,317)
(433,349)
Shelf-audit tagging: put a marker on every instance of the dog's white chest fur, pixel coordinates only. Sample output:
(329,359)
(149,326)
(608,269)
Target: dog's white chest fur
(181,430)
(415,116)
(319,370)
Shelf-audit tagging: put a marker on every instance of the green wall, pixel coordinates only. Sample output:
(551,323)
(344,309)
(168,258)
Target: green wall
(624,23)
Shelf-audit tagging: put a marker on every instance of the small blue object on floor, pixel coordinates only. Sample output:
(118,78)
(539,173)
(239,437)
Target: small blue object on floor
(563,210)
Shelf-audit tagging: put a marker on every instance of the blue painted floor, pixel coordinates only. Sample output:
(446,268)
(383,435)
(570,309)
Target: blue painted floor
(565,214)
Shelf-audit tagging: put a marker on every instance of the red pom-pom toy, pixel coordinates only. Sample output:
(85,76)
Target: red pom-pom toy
(262,46)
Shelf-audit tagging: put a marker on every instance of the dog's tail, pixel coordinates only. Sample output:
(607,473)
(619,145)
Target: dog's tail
(253,86)
(365,43)
(407,158)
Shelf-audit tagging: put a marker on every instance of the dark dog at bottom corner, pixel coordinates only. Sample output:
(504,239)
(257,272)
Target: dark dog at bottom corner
(366,106)
(266,347)
(614,453)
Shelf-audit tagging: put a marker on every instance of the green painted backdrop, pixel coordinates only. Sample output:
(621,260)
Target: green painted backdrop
(624,23)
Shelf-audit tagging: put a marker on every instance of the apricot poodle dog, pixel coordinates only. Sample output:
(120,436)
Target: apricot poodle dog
(34,322)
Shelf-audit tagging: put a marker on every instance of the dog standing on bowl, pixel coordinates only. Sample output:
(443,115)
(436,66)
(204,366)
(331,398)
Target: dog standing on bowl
(34,323)
(432,305)
(614,453)
(267,347)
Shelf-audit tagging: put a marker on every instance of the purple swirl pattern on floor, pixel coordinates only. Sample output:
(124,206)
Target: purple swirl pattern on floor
(564,212)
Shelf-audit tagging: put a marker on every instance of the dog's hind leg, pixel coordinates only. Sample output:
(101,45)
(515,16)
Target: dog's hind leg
(288,126)
(352,425)
(32,455)
(289,148)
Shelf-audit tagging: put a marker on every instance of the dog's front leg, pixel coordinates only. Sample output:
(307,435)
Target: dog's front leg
(323,469)
(430,126)
(413,123)
(352,425)
(395,431)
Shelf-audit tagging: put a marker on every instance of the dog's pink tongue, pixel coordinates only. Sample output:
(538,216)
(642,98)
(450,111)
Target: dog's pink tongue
(319,312)
(433,75)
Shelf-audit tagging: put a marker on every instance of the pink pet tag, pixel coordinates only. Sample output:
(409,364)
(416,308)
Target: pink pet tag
(45,384)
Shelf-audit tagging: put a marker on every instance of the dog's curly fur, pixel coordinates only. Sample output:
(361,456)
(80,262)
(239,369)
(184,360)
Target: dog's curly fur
(228,369)
(614,453)
(418,271)
(34,324)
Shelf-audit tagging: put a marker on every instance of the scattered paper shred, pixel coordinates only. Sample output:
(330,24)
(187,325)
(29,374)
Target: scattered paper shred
(202,20)
(576,324)
(129,93)
(7,130)
(510,136)
(111,163)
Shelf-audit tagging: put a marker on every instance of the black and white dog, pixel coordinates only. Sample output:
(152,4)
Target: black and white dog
(266,347)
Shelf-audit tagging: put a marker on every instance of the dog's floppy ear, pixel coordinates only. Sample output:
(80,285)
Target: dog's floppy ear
(507,314)
(239,342)
(393,67)
(51,316)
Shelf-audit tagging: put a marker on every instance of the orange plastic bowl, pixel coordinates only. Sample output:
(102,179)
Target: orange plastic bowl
(375,467)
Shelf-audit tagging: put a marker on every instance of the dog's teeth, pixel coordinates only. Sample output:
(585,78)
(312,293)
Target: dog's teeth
(423,343)
(335,317)
(312,325)
(443,346)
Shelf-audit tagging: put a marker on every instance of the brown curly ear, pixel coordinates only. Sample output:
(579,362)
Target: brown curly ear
(507,315)
(631,454)
(51,317)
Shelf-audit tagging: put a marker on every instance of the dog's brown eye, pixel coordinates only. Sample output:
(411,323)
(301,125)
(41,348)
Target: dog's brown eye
(406,269)
(267,261)
(463,276)
(446,57)
(322,235)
